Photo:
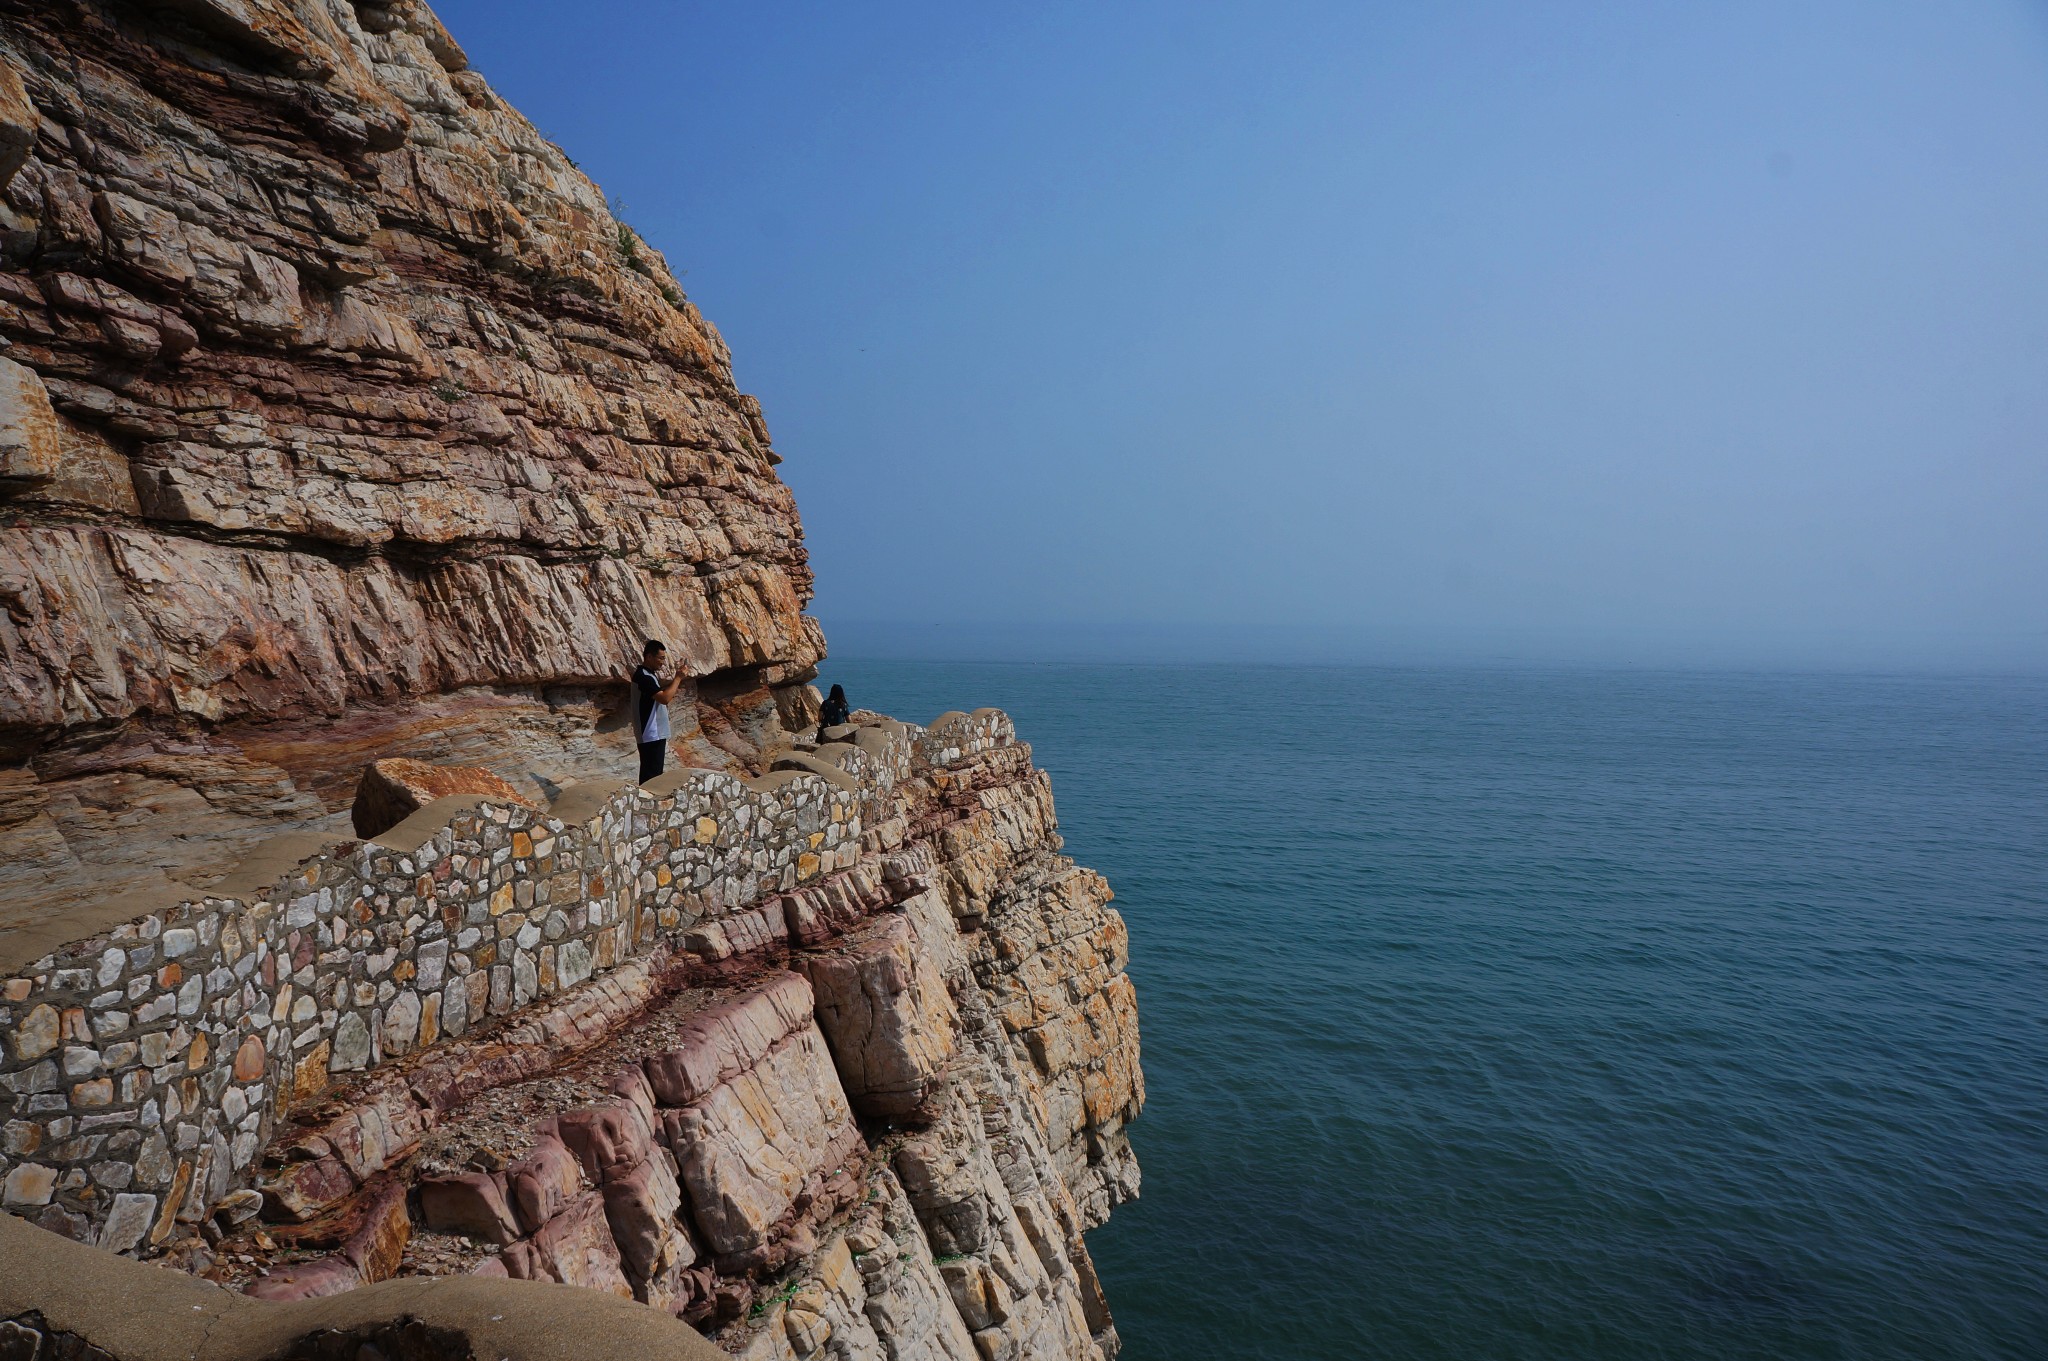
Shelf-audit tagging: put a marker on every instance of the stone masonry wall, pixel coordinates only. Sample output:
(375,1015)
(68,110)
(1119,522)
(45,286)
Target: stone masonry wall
(142,1071)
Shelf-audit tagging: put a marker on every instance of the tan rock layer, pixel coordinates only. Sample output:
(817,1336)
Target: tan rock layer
(331,387)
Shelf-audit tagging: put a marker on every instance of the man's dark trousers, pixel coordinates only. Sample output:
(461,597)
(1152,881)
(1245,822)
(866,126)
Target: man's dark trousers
(653,755)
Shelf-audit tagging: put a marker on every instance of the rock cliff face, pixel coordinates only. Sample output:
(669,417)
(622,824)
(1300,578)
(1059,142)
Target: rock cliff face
(342,419)
(839,1058)
(340,423)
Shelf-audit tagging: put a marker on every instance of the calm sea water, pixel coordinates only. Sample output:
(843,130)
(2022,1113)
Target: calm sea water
(1495,1014)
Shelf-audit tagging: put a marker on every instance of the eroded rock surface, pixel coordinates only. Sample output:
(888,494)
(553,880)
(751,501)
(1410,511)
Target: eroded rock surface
(339,419)
(391,791)
(342,425)
(800,1060)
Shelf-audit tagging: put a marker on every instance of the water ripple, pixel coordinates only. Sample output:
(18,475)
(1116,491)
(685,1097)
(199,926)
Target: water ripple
(1566,1015)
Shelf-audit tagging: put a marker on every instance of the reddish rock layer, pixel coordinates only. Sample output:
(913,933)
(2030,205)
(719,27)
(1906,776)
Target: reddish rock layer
(877,1111)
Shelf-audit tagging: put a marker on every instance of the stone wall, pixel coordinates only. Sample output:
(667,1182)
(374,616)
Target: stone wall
(840,1055)
(142,1070)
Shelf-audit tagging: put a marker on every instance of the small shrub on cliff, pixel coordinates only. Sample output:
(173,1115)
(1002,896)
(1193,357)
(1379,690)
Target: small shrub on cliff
(767,1302)
(629,248)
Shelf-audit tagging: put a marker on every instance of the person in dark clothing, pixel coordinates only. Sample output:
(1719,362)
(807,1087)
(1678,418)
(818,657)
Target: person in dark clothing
(650,710)
(834,712)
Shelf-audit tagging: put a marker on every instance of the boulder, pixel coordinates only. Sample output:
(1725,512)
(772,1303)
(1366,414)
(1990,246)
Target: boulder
(395,788)
(540,1184)
(885,1013)
(329,1275)
(761,1143)
(576,1248)
(301,1189)
(469,1203)
(640,1204)
(376,1244)
(607,1140)
(946,1172)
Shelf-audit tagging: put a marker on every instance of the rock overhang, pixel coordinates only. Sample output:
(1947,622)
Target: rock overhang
(345,421)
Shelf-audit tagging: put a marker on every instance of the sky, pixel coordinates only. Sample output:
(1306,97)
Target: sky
(1639,333)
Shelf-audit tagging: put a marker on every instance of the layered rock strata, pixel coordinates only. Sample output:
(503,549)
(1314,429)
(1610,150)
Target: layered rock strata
(346,437)
(840,1057)
(340,418)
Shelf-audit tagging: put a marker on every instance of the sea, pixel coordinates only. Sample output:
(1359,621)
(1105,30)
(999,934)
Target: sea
(1558,1014)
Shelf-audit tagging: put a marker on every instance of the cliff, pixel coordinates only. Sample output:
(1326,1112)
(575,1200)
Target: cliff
(340,420)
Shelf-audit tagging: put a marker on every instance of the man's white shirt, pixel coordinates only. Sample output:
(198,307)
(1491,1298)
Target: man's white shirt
(655,729)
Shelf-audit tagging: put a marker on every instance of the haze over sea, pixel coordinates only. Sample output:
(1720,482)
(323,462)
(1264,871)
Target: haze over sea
(1496,1013)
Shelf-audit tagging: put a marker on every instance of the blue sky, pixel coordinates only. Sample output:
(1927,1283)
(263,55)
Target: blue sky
(1634,332)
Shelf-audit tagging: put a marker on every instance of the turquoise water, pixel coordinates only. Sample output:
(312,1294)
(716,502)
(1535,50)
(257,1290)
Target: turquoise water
(1495,1014)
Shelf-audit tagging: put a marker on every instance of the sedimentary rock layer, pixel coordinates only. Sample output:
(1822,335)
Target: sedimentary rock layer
(342,422)
(340,418)
(843,1055)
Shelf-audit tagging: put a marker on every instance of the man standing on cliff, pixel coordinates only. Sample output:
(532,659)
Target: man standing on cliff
(651,708)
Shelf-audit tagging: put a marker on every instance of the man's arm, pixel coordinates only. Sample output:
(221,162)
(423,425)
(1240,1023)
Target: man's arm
(668,692)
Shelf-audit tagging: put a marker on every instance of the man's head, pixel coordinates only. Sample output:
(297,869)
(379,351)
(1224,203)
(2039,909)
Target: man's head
(653,655)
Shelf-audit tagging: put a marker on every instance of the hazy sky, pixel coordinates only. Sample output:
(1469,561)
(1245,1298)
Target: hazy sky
(1627,331)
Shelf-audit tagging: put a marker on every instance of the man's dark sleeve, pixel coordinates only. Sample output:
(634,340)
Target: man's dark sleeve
(649,687)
